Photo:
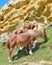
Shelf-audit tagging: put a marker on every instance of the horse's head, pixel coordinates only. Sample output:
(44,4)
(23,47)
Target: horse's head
(41,33)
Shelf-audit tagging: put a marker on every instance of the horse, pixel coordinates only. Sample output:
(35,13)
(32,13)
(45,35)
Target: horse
(24,39)
(29,25)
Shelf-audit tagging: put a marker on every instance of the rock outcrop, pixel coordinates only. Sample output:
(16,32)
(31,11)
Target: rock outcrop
(16,12)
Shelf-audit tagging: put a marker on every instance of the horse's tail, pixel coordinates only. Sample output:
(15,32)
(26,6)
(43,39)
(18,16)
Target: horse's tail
(7,45)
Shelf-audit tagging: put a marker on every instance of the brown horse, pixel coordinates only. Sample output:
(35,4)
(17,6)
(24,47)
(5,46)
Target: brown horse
(29,25)
(24,39)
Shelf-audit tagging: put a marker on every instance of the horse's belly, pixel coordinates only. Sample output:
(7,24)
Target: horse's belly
(23,40)
(23,44)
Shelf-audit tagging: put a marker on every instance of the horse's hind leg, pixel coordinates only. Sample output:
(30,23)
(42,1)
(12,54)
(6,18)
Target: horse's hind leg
(30,49)
(10,52)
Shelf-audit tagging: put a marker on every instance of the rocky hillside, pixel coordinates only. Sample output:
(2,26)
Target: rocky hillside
(16,12)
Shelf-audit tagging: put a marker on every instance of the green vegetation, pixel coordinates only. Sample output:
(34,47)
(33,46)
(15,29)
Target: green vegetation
(44,52)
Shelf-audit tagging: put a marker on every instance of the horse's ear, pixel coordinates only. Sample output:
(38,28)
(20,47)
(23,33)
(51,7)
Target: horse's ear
(16,32)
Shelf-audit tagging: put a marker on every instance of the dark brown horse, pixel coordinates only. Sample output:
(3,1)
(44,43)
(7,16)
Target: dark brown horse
(24,39)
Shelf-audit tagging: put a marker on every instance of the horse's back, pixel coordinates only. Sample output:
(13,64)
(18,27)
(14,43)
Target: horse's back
(22,37)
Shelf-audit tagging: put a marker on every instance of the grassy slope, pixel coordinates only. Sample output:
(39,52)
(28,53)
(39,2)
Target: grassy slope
(43,53)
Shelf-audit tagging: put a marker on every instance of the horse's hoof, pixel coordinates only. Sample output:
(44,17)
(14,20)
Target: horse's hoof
(10,61)
(30,53)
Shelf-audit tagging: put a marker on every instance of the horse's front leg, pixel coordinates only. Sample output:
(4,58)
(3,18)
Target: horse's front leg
(34,44)
(30,49)
(19,48)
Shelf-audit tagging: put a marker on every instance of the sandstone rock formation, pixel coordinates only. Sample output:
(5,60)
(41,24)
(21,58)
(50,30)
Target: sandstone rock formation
(16,12)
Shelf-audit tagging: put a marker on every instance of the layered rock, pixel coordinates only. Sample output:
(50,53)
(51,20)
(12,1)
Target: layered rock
(16,12)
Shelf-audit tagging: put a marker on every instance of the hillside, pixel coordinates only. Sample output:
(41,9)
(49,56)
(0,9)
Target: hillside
(42,54)
(16,12)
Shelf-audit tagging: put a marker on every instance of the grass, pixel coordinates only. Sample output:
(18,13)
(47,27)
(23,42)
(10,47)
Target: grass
(43,52)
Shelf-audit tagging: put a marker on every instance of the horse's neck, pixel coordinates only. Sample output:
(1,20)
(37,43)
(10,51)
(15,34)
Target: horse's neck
(32,33)
(37,33)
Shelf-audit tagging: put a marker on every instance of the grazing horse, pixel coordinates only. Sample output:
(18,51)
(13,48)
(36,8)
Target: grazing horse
(29,25)
(24,39)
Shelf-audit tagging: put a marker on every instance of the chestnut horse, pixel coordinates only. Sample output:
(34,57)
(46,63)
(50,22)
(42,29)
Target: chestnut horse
(29,25)
(24,39)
